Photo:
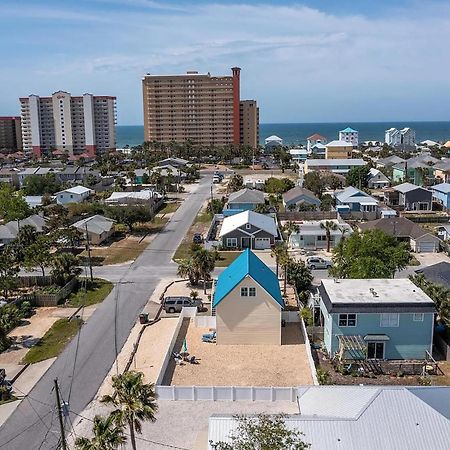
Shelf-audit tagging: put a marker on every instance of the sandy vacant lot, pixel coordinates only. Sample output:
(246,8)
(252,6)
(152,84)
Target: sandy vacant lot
(241,365)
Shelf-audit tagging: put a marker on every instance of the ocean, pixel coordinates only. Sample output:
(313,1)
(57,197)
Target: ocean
(296,133)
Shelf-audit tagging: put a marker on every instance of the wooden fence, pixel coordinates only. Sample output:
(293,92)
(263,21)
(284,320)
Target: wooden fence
(41,299)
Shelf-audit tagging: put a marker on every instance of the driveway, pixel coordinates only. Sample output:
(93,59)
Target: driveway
(86,361)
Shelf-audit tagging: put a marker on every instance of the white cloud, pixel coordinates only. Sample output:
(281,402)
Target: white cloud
(300,63)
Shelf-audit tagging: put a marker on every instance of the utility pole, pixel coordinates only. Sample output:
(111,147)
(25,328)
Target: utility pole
(211,194)
(60,417)
(88,248)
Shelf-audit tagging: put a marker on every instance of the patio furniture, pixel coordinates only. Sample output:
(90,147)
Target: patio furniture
(209,337)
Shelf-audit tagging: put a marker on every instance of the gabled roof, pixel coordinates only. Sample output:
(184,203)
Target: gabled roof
(338,143)
(261,221)
(349,193)
(407,187)
(390,160)
(247,264)
(316,137)
(437,273)
(246,196)
(443,187)
(273,138)
(96,224)
(348,130)
(10,230)
(375,172)
(397,226)
(444,165)
(78,190)
(298,192)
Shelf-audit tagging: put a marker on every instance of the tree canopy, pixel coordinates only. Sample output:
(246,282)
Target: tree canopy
(358,177)
(278,185)
(41,184)
(263,432)
(369,254)
(12,204)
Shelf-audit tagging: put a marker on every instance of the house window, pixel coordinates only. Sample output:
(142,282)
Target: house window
(389,320)
(252,292)
(231,242)
(347,320)
(244,291)
(418,317)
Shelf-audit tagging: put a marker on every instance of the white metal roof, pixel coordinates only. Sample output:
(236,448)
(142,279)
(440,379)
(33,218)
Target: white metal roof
(389,290)
(406,187)
(388,418)
(80,190)
(336,162)
(95,224)
(261,221)
(338,143)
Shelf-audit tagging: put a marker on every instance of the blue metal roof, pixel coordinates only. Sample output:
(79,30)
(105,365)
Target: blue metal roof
(247,264)
(348,130)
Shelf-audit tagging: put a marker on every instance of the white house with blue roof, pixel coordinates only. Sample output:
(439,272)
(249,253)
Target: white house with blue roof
(349,135)
(441,193)
(248,303)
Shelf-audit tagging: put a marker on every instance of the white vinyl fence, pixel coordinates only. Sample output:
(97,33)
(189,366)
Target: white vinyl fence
(309,353)
(205,321)
(227,393)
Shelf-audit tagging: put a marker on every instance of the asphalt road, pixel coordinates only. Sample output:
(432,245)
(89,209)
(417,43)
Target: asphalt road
(34,424)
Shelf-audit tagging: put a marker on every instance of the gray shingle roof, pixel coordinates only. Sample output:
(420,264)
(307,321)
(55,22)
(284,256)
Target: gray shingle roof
(438,273)
(96,224)
(298,192)
(407,187)
(247,196)
(396,226)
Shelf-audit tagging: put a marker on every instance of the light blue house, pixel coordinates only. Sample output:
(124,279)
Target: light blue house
(357,203)
(441,192)
(382,318)
(243,200)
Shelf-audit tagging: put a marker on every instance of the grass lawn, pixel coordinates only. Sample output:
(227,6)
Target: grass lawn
(54,341)
(200,225)
(169,208)
(226,258)
(413,261)
(96,292)
(10,399)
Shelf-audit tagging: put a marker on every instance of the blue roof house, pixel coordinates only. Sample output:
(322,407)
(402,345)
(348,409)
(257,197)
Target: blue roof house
(357,203)
(441,193)
(376,319)
(248,303)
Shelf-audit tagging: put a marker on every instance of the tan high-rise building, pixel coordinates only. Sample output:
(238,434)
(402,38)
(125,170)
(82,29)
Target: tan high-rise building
(76,125)
(249,123)
(10,133)
(197,107)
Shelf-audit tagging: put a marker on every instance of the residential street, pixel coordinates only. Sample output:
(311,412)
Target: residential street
(34,424)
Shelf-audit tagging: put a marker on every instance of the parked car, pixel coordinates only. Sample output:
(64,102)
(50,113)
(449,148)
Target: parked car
(316,262)
(216,179)
(176,304)
(197,238)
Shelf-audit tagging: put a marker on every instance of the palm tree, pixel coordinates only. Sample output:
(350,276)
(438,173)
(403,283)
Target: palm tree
(284,263)
(107,435)
(132,176)
(290,228)
(204,263)
(328,226)
(343,231)
(277,252)
(134,400)
(186,269)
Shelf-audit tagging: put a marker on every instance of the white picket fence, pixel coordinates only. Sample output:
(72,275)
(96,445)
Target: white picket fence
(205,321)
(227,393)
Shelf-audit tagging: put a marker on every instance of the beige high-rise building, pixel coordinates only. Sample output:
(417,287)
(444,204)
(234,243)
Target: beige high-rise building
(201,108)
(10,133)
(76,125)
(249,123)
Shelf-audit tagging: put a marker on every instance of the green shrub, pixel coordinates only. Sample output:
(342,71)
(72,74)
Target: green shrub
(323,376)
(306,315)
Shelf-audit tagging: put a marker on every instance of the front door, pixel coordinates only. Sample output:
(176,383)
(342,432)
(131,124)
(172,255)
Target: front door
(245,242)
(375,350)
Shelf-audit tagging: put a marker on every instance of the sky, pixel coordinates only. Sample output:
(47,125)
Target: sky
(304,61)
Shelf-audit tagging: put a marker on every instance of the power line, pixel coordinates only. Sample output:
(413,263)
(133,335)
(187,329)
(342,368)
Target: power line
(139,437)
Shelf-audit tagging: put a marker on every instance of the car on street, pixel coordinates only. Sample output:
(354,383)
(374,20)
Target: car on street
(316,262)
(176,304)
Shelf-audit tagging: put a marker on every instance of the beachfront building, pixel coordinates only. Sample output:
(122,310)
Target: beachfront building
(389,318)
(299,155)
(418,170)
(248,303)
(72,125)
(272,142)
(338,166)
(406,137)
(314,140)
(200,108)
(10,134)
(249,123)
(338,150)
(349,135)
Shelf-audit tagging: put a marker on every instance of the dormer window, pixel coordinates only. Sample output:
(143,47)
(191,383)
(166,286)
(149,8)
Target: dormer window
(247,226)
